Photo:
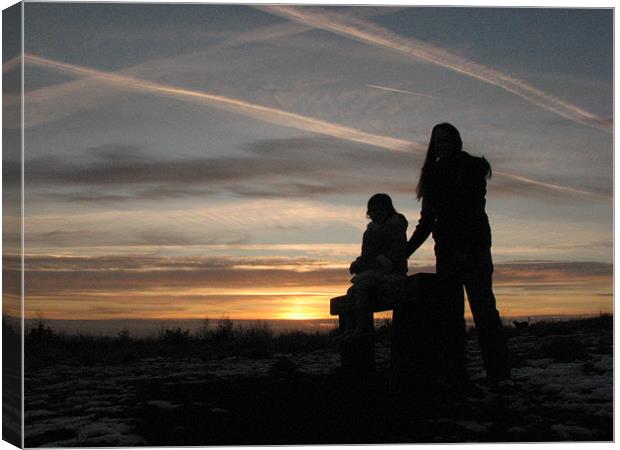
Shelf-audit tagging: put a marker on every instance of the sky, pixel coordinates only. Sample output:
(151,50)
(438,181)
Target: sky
(191,161)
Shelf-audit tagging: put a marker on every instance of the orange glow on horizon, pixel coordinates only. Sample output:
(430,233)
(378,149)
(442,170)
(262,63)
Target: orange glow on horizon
(295,307)
(64,289)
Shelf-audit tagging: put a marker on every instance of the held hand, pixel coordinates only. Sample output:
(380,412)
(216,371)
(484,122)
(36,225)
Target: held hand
(409,249)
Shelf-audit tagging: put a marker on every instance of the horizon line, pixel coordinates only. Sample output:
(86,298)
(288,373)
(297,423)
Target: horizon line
(276,319)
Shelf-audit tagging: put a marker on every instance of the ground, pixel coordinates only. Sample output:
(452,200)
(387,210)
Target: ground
(563,392)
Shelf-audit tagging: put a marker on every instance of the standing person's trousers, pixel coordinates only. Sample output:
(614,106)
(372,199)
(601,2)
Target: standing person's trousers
(474,270)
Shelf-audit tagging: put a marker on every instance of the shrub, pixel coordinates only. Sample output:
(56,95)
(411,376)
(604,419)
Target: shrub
(224,330)
(300,341)
(40,332)
(124,336)
(255,341)
(203,331)
(173,336)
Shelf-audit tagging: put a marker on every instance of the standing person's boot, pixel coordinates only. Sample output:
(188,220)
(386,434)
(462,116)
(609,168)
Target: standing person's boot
(455,368)
(494,349)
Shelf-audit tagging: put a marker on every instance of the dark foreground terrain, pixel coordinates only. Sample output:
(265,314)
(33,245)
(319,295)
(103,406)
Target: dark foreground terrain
(251,387)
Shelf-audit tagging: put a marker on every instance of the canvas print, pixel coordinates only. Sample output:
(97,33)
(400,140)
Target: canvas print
(306,224)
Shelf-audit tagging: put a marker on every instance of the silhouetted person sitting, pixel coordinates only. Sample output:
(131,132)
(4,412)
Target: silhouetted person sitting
(452,187)
(382,261)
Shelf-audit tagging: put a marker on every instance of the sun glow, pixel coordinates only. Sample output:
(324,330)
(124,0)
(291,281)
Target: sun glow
(304,308)
(299,316)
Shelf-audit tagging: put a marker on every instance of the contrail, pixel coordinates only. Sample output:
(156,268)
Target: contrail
(43,104)
(11,64)
(555,187)
(372,34)
(264,113)
(272,115)
(399,91)
(287,29)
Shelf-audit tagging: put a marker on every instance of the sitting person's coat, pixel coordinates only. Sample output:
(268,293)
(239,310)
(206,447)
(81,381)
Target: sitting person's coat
(383,247)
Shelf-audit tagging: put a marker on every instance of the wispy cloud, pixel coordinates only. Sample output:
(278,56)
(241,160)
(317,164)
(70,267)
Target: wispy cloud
(51,274)
(266,33)
(320,166)
(556,272)
(375,35)
(288,29)
(299,167)
(264,113)
(399,91)
(278,117)
(11,64)
(521,180)
(595,244)
(190,225)
(100,286)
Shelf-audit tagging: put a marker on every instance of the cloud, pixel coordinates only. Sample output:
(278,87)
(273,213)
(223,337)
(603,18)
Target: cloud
(55,276)
(595,244)
(193,225)
(296,167)
(49,274)
(11,64)
(64,99)
(270,168)
(574,276)
(288,29)
(282,118)
(375,35)
(399,91)
(259,112)
(267,286)
(123,165)
(517,186)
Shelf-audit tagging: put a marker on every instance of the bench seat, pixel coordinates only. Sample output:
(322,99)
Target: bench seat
(416,287)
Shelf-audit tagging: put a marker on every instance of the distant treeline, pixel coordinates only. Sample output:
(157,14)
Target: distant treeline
(45,346)
(151,327)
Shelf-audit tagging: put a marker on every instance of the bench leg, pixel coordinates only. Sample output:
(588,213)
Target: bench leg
(357,354)
(342,324)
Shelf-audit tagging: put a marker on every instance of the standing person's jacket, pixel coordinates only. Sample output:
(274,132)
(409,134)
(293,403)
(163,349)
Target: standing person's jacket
(388,239)
(453,206)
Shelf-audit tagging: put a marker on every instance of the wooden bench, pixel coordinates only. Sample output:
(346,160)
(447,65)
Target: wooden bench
(416,286)
(423,323)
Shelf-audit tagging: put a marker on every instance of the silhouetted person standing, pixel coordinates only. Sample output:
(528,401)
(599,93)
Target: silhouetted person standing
(452,188)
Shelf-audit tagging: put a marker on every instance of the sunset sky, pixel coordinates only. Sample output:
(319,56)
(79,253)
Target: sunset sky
(185,161)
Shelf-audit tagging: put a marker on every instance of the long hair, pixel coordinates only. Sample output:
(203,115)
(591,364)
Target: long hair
(382,201)
(452,135)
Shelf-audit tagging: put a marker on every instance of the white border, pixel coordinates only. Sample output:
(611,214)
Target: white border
(480,3)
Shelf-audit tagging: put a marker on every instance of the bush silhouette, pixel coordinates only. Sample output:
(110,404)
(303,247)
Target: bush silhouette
(224,331)
(174,336)
(40,332)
